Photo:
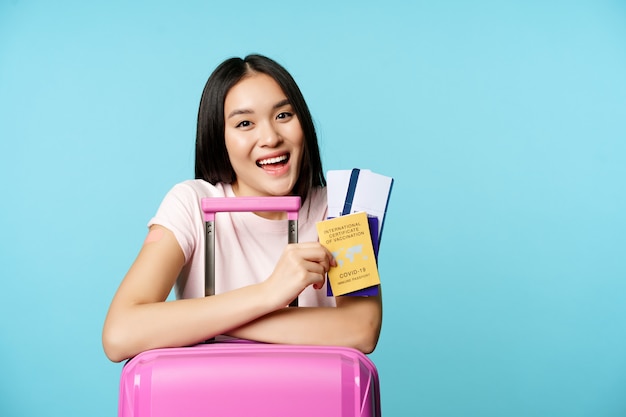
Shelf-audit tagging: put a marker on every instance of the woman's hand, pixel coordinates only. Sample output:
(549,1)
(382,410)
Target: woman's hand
(300,265)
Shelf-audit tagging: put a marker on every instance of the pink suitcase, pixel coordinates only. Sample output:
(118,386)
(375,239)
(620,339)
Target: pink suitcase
(238,378)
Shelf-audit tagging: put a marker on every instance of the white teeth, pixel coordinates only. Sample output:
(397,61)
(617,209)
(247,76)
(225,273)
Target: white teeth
(273,160)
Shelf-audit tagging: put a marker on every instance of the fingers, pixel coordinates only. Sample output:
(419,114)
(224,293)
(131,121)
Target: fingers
(302,265)
(316,274)
(312,252)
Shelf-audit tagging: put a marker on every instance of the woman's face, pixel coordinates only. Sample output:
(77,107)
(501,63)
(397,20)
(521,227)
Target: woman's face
(263,136)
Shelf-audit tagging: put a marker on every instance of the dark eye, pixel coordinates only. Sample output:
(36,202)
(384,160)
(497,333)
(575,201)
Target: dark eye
(244,123)
(284,115)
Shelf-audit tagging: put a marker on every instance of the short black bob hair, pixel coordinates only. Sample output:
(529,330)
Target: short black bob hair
(212,161)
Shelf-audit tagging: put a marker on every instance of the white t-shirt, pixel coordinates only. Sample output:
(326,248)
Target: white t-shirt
(247,247)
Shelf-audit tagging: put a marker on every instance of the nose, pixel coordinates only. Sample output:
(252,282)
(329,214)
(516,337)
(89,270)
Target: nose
(269,135)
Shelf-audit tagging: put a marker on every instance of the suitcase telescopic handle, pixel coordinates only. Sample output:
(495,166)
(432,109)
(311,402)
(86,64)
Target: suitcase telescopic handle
(213,205)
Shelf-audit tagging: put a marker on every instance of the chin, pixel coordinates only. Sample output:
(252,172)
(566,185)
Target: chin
(281,191)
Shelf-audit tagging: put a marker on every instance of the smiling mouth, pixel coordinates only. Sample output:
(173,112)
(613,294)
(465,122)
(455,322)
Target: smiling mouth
(278,160)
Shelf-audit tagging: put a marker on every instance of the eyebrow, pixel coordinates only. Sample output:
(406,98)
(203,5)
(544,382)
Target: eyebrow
(248,111)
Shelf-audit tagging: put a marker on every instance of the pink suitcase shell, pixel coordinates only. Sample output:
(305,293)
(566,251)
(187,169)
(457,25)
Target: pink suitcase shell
(250,380)
(237,378)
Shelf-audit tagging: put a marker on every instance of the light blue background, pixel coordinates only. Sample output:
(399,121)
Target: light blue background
(503,123)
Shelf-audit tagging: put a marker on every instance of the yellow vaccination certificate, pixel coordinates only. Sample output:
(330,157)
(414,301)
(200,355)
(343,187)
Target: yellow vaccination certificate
(348,239)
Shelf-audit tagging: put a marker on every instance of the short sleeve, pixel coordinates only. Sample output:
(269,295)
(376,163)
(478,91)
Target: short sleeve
(180,213)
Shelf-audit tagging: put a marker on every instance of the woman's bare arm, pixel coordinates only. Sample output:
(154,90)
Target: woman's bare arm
(139,318)
(355,322)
